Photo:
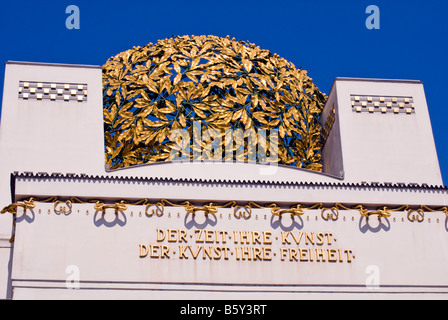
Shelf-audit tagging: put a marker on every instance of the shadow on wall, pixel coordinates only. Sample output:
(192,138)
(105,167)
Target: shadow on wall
(287,222)
(373,225)
(25,216)
(109,219)
(200,221)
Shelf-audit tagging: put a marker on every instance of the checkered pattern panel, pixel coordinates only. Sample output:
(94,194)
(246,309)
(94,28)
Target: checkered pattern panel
(384,105)
(52,91)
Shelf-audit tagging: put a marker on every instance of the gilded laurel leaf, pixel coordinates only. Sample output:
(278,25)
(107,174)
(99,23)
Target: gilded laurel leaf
(237,115)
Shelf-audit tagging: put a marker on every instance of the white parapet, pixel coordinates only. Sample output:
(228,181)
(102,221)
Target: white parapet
(382,132)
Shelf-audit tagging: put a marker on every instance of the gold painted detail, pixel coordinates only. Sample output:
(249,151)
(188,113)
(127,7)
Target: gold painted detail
(118,206)
(25,204)
(413,213)
(328,125)
(327,213)
(151,92)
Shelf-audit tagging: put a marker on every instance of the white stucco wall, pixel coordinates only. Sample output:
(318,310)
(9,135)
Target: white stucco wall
(46,136)
(391,257)
(388,147)
(67,137)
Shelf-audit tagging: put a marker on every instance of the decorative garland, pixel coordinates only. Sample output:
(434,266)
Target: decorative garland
(327,213)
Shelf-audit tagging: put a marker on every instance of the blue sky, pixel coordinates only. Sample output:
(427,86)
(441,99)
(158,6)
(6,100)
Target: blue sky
(326,37)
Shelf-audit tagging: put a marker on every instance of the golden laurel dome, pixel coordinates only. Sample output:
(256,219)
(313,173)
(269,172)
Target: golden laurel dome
(152,91)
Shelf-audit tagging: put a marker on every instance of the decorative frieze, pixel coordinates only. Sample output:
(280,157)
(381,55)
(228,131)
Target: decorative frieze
(52,91)
(382,104)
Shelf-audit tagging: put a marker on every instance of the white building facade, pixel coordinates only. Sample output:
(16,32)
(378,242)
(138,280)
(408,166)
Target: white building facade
(374,224)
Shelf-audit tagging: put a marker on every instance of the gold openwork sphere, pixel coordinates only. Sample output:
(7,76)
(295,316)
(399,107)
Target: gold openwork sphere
(206,87)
